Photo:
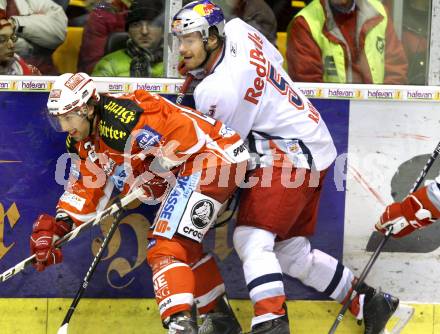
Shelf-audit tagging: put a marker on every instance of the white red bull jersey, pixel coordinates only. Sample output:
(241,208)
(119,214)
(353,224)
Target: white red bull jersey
(249,91)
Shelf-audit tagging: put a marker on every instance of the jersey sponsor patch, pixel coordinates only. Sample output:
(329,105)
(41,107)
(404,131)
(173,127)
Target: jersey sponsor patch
(73,200)
(199,214)
(148,138)
(172,210)
(238,152)
(118,119)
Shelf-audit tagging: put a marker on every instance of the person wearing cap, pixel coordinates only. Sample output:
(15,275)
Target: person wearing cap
(142,56)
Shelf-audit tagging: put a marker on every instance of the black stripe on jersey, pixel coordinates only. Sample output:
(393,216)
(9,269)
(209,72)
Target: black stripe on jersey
(265,279)
(335,280)
(307,152)
(252,148)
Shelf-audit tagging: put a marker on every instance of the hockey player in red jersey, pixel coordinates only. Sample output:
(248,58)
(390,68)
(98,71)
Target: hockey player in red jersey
(115,139)
(241,81)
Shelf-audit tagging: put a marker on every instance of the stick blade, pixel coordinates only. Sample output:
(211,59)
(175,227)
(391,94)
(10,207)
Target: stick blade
(63,329)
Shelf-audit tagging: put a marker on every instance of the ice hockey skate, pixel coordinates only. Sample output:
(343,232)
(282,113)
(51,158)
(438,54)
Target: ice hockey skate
(274,326)
(182,324)
(221,321)
(380,309)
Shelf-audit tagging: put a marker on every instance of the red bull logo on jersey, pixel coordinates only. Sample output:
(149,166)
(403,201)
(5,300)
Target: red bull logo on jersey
(258,60)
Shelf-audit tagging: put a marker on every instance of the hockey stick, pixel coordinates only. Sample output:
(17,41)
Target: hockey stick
(379,248)
(91,270)
(112,209)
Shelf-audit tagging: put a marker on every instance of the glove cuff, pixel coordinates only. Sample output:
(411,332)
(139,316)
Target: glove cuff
(422,196)
(61,228)
(44,222)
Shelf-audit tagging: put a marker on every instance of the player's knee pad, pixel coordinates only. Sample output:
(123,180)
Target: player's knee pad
(294,256)
(312,267)
(255,248)
(173,283)
(208,283)
(251,242)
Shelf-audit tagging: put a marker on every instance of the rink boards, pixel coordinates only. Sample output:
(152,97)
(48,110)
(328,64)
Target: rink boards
(139,316)
(384,136)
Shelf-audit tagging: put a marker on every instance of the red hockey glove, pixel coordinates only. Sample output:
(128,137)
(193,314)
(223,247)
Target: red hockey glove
(414,212)
(44,232)
(154,183)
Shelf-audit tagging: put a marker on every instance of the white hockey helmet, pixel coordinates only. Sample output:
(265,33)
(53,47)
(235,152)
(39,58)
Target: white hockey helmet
(198,16)
(70,92)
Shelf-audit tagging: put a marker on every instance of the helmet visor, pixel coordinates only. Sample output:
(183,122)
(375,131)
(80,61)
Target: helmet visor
(66,122)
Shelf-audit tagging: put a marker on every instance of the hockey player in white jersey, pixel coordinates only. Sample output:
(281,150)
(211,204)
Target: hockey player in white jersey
(242,83)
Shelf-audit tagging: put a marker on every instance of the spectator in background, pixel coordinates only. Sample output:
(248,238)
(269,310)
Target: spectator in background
(256,13)
(10,62)
(143,54)
(41,26)
(345,41)
(415,35)
(105,17)
(63,3)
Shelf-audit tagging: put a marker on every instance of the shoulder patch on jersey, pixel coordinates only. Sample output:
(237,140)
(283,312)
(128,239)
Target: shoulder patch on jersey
(148,138)
(118,119)
(233,49)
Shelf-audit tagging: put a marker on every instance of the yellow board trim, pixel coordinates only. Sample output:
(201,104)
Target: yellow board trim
(115,316)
